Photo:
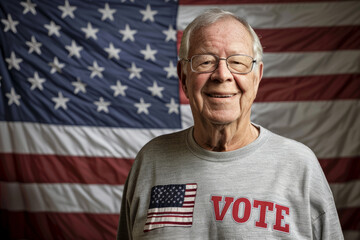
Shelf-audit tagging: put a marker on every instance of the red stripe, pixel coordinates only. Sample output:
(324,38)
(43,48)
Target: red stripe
(349,218)
(225,2)
(49,226)
(192,195)
(178,216)
(17,225)
(171,212)
(160,213)
(189,214)
(61,169)
(339,170)
(310,39)
(190,192)
(31,168)
(306,39)
(309,88)
(169,222)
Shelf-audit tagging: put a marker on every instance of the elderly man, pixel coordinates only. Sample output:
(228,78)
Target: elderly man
(225,177)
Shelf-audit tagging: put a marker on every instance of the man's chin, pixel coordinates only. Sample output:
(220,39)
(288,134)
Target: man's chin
(223,119)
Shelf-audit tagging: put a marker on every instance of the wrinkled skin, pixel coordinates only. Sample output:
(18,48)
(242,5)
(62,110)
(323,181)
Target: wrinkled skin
(221,101)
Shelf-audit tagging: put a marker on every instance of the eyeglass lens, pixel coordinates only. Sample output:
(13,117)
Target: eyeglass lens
(208,63)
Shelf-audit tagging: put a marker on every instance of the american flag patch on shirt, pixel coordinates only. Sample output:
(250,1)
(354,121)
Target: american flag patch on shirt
(171,206)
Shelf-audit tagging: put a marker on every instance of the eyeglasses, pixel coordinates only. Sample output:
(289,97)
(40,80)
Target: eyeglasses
(207,63)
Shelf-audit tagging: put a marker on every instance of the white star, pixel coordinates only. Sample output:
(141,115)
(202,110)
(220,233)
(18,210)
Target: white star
(29,7)
(134,71)
(67,10)
(112,51)
(173,107)
(13,61)
(96,70)
(107,12)
(119,89)
(156,90)
(10,24)
(128,33)
(102,105)
(148,14)
(13,97)
(53,29)
(34,45)
(56,66)
(36,82)
(79,86)
(170,34)
(149,53)
(142,106)
(90,31)
(171,70)
(74,49)
(60,101)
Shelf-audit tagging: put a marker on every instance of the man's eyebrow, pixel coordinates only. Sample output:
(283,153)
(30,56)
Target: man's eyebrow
(203,51)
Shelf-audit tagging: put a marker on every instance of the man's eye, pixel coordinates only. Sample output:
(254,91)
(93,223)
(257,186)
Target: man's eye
(236,63)
(206,63)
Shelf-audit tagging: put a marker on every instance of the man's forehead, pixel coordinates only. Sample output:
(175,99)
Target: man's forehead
(227,31)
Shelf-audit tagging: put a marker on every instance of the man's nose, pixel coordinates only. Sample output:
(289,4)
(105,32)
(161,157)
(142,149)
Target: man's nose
(222,72)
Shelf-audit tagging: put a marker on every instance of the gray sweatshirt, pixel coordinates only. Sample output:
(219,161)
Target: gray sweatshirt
(273,188)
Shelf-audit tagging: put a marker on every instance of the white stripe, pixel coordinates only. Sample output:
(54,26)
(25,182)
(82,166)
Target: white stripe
(284,15)
(35,197)
(351,235)
(191,187)
(169,219)
(329,128)
(170,209)
(21,137)
(312,63)
(346,194)
(189,199)
(154,226)
(192,193)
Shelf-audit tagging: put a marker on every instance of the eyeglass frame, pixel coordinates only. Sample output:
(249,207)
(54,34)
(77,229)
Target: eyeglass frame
(219,58)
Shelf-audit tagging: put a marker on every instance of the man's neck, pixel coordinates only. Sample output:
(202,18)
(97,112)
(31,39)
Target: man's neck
(225,137)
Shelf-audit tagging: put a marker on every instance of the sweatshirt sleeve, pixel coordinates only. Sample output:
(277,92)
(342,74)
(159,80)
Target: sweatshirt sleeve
(324,216)
(327,225)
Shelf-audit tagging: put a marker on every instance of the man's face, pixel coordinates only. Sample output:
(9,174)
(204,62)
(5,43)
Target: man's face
(221,97)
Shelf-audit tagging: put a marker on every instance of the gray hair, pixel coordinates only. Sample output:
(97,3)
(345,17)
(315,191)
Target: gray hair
(210,17)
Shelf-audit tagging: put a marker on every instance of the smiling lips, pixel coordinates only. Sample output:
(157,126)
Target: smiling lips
(218,95)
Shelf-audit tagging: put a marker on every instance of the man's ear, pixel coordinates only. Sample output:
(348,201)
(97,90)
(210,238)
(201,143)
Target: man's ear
(182,78)
(261,69)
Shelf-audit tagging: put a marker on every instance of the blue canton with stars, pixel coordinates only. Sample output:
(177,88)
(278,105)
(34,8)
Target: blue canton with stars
(167,196)
(89,63)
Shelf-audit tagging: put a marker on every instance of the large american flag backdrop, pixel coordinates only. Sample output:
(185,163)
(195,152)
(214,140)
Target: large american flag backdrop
(85,84)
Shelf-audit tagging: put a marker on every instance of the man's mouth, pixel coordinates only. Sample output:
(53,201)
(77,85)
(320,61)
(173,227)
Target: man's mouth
(220,95)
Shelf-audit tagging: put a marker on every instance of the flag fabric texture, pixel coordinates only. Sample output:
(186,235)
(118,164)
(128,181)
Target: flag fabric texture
(171,205)
(85,84)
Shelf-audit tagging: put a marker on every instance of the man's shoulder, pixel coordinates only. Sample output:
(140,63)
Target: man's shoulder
(173,136)
(166,140)
(286,144)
